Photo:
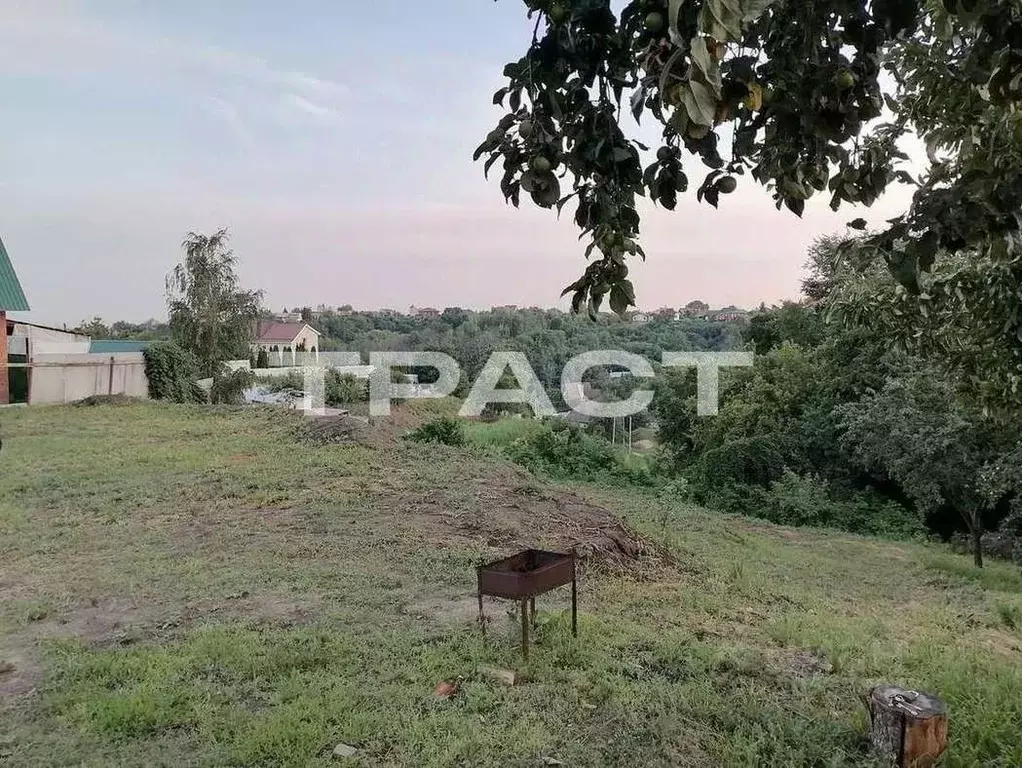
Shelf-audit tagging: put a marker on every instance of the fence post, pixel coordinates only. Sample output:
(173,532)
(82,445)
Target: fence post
(110,388)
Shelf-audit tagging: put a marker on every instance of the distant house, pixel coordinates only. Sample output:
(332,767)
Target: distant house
(639,317)
(426,313)
(12,299)
(286,339)
(696,309)
(730,315)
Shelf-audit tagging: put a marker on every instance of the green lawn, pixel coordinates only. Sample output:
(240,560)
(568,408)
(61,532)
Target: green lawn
(192,587)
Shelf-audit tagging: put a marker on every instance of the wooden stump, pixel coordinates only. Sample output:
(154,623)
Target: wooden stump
(909,728)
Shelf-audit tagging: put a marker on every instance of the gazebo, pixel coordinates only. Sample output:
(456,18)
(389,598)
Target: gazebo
(12,299)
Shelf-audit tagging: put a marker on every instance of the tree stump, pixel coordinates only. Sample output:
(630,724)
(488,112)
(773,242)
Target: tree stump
(909,728)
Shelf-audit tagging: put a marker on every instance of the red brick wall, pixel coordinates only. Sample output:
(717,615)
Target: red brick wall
(5,386)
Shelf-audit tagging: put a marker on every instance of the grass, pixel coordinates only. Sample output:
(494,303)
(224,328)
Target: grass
(495,434)
(186,586)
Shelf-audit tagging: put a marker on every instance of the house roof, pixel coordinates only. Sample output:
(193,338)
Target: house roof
(286,332)
(46,328)
(11,296)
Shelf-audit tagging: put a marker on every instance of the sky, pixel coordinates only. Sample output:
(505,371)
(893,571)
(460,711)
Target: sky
(334,141)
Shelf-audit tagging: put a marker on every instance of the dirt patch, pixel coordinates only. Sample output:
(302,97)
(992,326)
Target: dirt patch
(805,663)
(121,623)
(444,609)
(346,430)
(111,623)
(108,400)
(357,428)
(510,510)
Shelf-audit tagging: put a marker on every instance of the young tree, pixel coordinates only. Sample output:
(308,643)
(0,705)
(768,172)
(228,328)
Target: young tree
(94,328)
(210,314)
(916,432)
(786,91)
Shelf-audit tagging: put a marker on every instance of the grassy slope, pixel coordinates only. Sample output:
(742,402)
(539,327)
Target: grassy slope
(202,588)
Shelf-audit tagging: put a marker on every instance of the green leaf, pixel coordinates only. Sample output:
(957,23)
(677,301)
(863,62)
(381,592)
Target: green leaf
(577,301)
(721,19)
(795,205)
(859,224)
(706,64)
(619,301)
(753,9)
(638,101)
(575,286)
(699,103)
(673,9)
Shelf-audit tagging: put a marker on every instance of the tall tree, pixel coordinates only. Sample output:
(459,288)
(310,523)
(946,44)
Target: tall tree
(789,92)
(95,328)
(210,314)
(916,431)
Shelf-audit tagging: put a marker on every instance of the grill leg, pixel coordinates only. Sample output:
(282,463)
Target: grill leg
(525,630)
(482,616)
(574,606)
(532,610)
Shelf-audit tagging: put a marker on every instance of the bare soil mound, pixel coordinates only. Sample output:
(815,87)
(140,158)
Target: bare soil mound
(510,510)
(340,430)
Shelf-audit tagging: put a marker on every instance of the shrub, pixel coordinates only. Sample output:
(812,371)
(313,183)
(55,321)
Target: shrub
(756,460)
(262,359)
(289,382)
(570,453)
(444,430)
(344,389)
(172,373)
(229,387)
(809,500)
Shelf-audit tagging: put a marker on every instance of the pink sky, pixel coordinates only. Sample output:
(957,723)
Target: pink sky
(127,127)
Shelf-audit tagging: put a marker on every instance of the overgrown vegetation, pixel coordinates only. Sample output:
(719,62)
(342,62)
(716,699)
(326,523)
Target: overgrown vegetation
(136,645)
(444,430)
(172,373)
(340,389)
(834,425)
(568,453)
(229,387)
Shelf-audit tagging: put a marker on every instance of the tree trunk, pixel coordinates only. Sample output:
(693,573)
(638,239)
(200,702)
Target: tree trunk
(974,519)
(908,728)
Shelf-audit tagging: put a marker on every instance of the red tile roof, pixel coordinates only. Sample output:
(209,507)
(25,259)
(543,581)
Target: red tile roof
(286,332)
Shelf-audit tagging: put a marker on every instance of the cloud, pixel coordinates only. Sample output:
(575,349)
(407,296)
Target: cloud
(55,38)
(319,111)
(229,114)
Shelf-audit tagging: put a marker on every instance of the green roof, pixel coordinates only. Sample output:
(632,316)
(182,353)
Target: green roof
(112,346)
(11,296)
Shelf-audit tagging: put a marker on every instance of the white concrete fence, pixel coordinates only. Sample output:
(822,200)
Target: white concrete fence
(66,378)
